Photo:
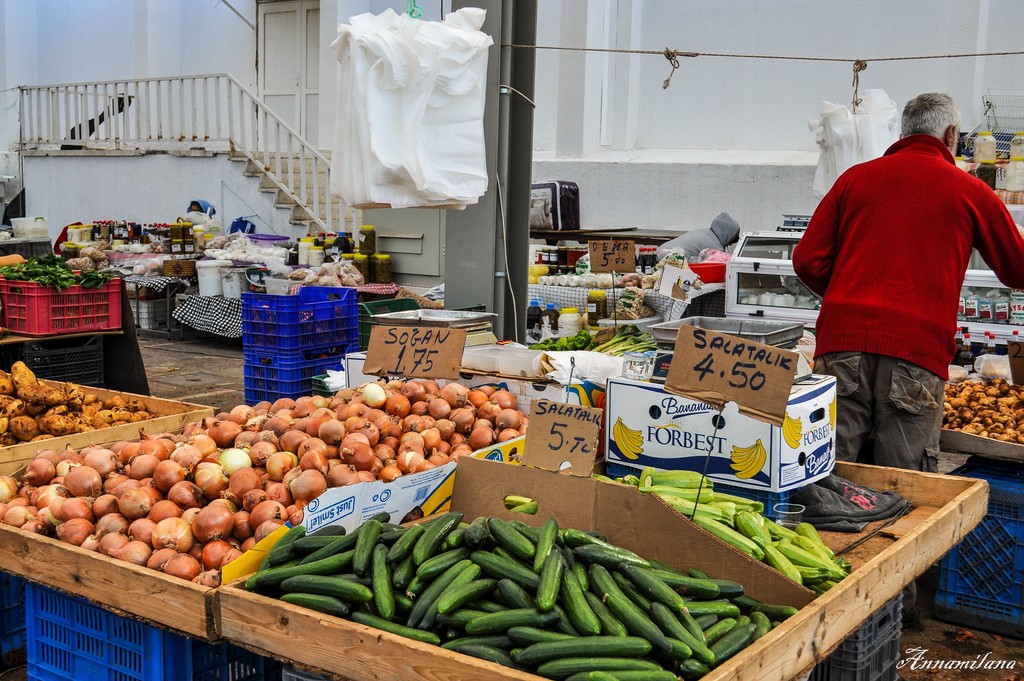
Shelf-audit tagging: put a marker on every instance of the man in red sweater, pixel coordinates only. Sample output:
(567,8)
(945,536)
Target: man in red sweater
(887,250)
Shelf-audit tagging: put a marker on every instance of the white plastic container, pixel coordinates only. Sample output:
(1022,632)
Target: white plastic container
(984,148)
(482,358)
(279,287)
(30,228)
(519,362)
(570,322)
(232,279)
(210,282)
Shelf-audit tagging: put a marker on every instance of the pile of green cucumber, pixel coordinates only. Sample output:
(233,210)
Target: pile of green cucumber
(559,603)
(799,555)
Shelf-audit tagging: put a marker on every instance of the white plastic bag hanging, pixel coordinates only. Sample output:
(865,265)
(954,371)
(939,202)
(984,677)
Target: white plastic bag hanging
(409,128)
(847,138)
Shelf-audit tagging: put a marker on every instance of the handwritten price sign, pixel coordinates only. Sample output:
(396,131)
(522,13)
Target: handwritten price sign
(717,367)
(1015,349)
(614,255)
(415,352)
(562,432)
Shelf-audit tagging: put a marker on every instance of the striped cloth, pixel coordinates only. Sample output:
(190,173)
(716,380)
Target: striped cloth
(212,314)
(568,296)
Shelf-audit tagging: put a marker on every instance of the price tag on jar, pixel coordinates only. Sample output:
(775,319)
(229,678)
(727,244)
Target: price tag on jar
(415,352)
(613,255)
(561,432)
(718,368)
(1015,350)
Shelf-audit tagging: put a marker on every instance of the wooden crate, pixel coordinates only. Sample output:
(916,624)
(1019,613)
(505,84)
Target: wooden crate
(123,588)
(352,651)
(955,441)
(172,418)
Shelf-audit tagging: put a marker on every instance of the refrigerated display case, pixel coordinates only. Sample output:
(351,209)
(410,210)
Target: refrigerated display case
(988,306)
(760,281)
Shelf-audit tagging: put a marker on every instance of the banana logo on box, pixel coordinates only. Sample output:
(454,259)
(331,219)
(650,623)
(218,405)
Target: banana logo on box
(629,442)
(748,461)
(832,413)
(792,430)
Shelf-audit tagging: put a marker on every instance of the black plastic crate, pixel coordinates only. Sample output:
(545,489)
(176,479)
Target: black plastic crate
(870,653)
(77,360)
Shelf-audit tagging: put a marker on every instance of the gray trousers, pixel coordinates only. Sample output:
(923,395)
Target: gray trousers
(896,403)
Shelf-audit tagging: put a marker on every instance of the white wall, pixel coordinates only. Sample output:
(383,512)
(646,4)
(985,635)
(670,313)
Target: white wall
(149,188)
(640,153)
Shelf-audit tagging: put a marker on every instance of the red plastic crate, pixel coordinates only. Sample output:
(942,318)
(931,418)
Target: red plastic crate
(33,310)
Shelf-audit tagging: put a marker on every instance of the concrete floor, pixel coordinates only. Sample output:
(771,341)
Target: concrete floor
(204,371)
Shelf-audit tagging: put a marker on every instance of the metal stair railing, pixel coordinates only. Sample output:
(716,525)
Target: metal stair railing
(209,111)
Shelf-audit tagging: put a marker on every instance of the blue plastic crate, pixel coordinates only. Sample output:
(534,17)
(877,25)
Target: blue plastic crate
(69,638)
(12,620)
(313,319)
(769,499)
(269,376)
(981,581)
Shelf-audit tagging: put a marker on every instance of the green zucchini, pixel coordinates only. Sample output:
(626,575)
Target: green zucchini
(637,622)
(337,587)
(403,574)
(318,602)
(652,586)
(726,589)
(610,625)
(705,621)
(738,638)
(393,628)
(529,509)
(488,606)
(439,563)
(454,598)
(459,618)
(609,556)
(431,593)
(688,586)
(433,535)
(489,653)
(497,640)
(403,604)
(340,544)
(499,568)
(315,542)
(626,675)
(673,628)
(284,550)
(717,608)
(274,576)
(680,651)
(776,613)
(580,612)
(369,533)
(383,596)
(513,500)
(511,539)
(692,669)
(514,595)
(627,587)
(402,548)
(550,581)
(493,623)
(567,666)
(596,646)
(389,537)
(761,622)
(531,533)
(466,575)
(698,574)
(545,542)
(455,539)
(718,630)
(526,636)
(477,535)
(745,603)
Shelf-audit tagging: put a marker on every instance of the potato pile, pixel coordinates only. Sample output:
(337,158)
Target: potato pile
(994,410)
(30,410)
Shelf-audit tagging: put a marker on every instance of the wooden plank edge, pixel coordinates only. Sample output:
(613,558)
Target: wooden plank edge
(804,639)
(58,565)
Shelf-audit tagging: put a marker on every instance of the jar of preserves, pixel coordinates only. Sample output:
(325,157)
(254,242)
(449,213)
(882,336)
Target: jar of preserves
(367,240)
(382,268)
(597,307)
(984,148)
(362,263)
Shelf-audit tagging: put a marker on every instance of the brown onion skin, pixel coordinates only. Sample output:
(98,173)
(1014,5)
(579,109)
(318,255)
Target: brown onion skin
(159,558)
(214,553)
(167,474)
(111,541)
(267,510)
(135,503)
(75,531)
(111,522)
(183,566)
(84,482)
(242,481)
(142,466)
(242,528)
(142,530)
(278,491)
(308,485)
(266,529)
(135,552)
(104,504)
(173,533)
(164,509)
(77,507)
(253,497)
(39,471)
(213,523)
(186,495)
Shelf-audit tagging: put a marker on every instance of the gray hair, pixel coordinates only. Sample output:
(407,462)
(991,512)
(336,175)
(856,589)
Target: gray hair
(929,114)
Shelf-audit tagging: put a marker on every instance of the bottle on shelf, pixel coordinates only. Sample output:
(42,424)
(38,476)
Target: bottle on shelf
(990,344)
(551,314)
(985,157)
(533,313)
(965,357)
(1014,179)
(1017,146)
(570,322)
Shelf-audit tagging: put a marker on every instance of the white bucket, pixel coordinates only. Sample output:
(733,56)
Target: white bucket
(232,279)
(30,228)
(210,282)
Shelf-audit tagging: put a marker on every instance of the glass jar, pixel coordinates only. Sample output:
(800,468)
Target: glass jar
(1014,178)
(304,248)
(362,263)
(597,307)
(316,256)
(367,240)
(382,268)
(985,148)
(1017,146)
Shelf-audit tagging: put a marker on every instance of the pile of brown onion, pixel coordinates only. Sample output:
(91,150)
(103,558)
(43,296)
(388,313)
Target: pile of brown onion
(187,504)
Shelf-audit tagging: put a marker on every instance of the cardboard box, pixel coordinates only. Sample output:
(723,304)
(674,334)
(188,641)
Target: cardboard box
(647,426)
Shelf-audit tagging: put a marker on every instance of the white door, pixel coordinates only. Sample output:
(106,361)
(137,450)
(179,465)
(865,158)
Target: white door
(289,73)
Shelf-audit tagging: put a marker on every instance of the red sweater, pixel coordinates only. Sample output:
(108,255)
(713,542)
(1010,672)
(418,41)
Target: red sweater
(888,247)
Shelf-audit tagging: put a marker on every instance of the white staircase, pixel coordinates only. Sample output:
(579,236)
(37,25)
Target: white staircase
(211,112)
